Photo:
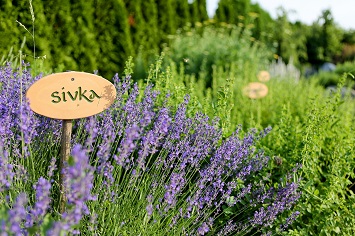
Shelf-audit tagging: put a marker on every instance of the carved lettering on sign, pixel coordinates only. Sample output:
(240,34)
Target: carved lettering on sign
(91,95)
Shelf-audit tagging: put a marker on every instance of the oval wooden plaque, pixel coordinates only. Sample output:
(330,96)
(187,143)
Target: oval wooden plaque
(71,95)
(255,90)
(264,76)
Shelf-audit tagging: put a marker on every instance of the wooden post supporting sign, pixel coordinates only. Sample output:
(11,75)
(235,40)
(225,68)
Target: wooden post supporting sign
(67,127)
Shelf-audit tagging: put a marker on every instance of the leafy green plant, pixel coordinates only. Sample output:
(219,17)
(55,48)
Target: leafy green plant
(310,126)
(217,46)
(327,79)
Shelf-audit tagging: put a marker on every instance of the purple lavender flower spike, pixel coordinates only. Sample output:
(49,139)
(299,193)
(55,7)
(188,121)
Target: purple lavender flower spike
(128,145)
(203,229)
(42,203)
(289,220)
(17,214)
(79,182)
(52,167)
(177,182)
(43,200)
(6,170)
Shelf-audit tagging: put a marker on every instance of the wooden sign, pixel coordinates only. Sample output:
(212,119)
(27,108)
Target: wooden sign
(68,96)
(263,76)
(255,90)
(71,95)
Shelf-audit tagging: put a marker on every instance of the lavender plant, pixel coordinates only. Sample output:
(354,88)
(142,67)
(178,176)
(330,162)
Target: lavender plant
(137,168)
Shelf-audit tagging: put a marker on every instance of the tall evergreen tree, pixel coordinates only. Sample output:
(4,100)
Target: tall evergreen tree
(86,48)
(136,23)
(182,13)
(222,11)
(42,31)
(314,50)
(202,10)
(233,11)
(323,40)
(166,16)
(113,36)
(290,39)
(194,12)
(263,24)
(151,30)
(33,25)
(62,23)
(300,40)
(11,34)
(286,47)
(331,36)
(242,8)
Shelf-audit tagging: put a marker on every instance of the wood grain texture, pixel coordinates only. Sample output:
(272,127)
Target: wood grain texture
(64,157)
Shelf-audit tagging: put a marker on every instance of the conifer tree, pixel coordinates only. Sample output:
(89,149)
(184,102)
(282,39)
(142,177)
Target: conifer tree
(330,37)
(323,40)
(300,39)
(263,24)
(42,33)
(113,36)
(151,30)
(59,17)
(10,33)
(182,12)
(31,23)
(136,23)
(166,16)
(86,50)
(286,47)
(202,10)
(233,11)
(223,12)
(242,9)
(194,11)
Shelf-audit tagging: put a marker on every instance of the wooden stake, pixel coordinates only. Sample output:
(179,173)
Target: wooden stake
(64,156)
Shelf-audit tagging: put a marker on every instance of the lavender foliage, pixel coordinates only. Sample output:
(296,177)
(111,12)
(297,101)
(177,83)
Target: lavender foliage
(42,204)
(187,166)
(6,170)
(79,182)
(174,171)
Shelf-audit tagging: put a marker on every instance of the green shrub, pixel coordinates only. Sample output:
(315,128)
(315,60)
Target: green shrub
(327,79)
(198,50)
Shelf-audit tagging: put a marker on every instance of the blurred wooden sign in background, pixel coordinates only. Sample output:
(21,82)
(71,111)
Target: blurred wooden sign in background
(255,90)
